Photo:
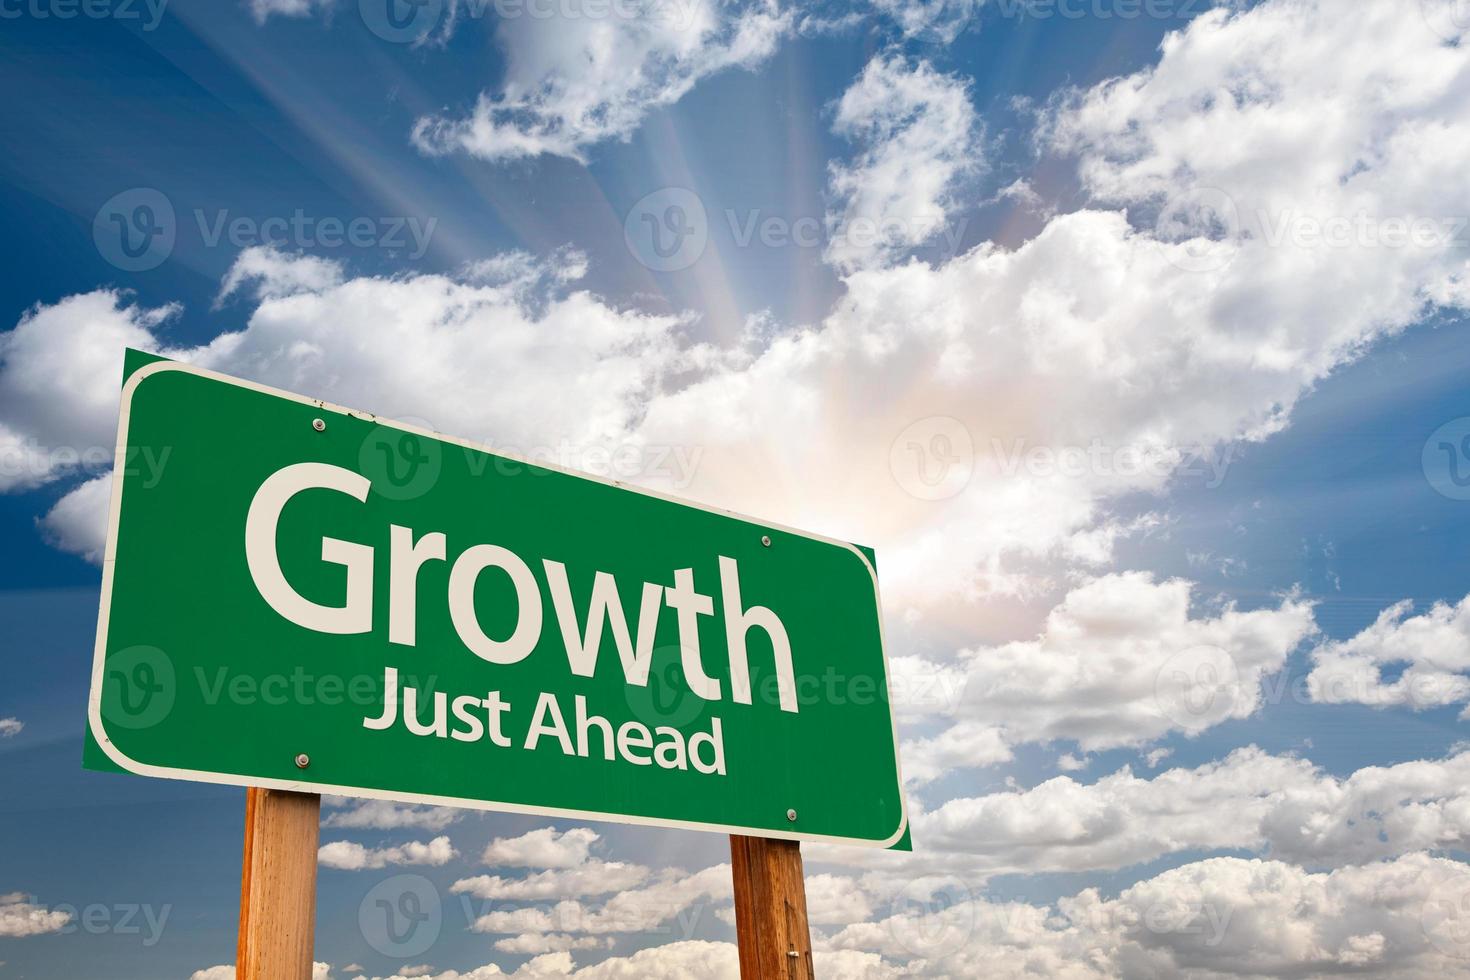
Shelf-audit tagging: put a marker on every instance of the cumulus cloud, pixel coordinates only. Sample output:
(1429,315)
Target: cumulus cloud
(386,815)
(535,944)
(992,407)
(572,82)
(546,847)
(674,961)
(77,523)
(352,856)
(1121,661)
(635,910)
(263,10)
(918,134)
(319,971)
(939,21)
(19,916)
(1280,805)
(1431,653)
(1214,918)
(274,274)
(60,372)
(1217,917)
(10,727)
(433,337)
(592,877)
(557,919)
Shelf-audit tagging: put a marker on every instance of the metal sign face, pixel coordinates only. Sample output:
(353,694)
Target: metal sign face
(310,598)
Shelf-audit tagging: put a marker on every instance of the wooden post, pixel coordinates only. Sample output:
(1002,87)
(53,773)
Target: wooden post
(278,885)
(770,909)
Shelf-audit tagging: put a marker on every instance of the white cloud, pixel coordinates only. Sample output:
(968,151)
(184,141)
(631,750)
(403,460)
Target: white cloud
(433,338)
(1155,756)
(60,373)
(1119,662)
(535,944)
(634,910)
(939,21)
(1432,650)
(919,135)
(21,917)
(1094,335)
(675,961)
(966,744)
(319,971)
(592,877)
(276,275)
(1214,918)
(352,856)
(77,523)
(385,815)
(571,82)
(836,900)
(263,10)
(543,848)
(1307,144)
(10,727)
(1279,805)
(214,973)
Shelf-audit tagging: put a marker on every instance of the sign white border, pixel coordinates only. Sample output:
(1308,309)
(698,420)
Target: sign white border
(94,701)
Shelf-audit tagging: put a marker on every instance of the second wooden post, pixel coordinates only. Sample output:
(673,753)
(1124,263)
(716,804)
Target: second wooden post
(770,909)
(278,885)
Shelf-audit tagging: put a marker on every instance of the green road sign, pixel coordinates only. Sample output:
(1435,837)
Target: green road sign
(304,597)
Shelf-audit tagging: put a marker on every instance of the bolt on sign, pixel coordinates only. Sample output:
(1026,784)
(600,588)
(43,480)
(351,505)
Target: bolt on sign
(305,597)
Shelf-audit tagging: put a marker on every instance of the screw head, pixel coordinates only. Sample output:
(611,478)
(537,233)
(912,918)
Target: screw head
(766,540)
(303,760)
(319,425)
(791,815)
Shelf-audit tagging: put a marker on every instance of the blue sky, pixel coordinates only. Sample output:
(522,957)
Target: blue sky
(1108,269)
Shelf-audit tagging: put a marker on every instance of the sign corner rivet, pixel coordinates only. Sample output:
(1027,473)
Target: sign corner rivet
(791,815)
(766,540)
(319,425)
(303,760)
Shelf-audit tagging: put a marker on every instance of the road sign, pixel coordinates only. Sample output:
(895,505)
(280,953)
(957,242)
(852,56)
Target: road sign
(298,596)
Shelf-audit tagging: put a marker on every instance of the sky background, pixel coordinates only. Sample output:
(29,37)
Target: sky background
(1110,183)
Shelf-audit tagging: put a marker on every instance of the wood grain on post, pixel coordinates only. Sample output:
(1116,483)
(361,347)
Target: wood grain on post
(770,909)
(278,885)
